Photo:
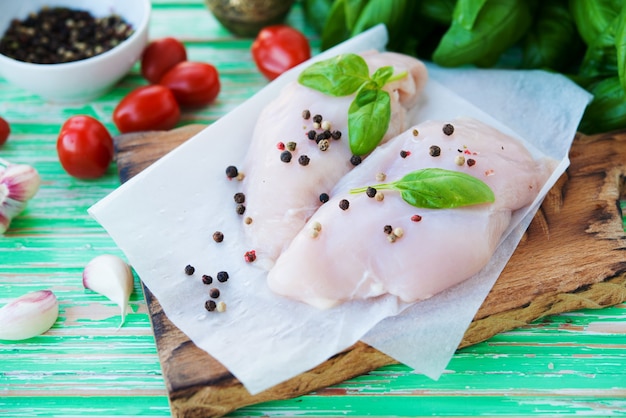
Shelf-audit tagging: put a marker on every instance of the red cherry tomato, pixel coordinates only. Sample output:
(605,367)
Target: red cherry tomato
(147,108)
(278,48)
(85,147)
(193,83)
(160,56)
(5,130)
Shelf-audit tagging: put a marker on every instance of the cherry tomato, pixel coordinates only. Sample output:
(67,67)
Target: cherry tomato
(161,55)
(278,48)
(193,83)
(147,108)
(85,147)
(5,130)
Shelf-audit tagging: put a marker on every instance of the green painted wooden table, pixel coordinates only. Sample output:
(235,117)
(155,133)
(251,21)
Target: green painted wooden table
(85,366)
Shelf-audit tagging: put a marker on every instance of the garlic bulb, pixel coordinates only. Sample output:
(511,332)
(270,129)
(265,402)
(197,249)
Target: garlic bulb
(18,184)
(110,276)
(29,315)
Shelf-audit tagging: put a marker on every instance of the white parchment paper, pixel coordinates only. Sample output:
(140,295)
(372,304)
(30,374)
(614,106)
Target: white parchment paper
(164,218)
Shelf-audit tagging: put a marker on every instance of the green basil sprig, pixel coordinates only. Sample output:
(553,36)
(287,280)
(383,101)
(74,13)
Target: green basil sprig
(370,111)
(437,188)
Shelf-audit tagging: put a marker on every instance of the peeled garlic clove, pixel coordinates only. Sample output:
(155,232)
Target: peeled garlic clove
(21,181)
(29,315)
(110,276)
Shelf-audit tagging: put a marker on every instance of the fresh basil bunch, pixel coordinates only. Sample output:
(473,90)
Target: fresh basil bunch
(583,39)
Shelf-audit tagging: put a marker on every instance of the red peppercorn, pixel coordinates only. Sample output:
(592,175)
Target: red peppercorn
(250,256)
(416,218)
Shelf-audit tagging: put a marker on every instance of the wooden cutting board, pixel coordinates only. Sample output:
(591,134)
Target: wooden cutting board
(572,257)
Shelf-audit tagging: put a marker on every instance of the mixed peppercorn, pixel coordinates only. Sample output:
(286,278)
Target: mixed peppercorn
(57,35)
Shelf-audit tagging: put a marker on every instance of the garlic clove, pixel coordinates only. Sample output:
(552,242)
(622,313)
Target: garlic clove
(21,181)
(110,276)
(18,184)
(29,315)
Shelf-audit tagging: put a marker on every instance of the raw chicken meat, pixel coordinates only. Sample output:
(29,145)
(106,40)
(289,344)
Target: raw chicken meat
(351,256)
(281,196)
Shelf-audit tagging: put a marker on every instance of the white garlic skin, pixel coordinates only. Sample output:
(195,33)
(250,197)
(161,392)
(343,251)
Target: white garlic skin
(29,315)
(110,276)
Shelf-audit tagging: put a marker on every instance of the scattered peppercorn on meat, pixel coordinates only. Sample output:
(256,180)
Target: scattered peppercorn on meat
(300,150)
(359,245)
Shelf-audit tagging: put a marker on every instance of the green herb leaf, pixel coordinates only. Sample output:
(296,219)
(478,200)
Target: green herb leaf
(466,12)
(368,119)
(382,75)
(620,46)
(437,188)
(338,76)
(498,25)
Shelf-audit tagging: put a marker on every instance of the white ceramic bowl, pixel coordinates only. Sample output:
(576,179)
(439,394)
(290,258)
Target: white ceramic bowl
(87,79)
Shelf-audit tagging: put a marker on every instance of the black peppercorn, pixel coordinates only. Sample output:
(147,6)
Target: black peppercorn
(317,118)
(344,204)
(231,172)
(471,162)
(206,279)
(218,236)
(324,197)
(214,292)
(222,276)
(306,114)
(336,134)
(210,305)
(311,134)
(239,197)
(448,129)
(355,160)
(240,209)
(189,270)
(370,192)
(434,151)
(388,229)
(285,156)
(304,160)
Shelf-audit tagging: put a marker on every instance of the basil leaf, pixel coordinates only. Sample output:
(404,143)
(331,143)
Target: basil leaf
(382,75)
(353,11)
(338,76)
(396,14)
(607,111)
(466,12)
(335,30)
(368,119)
(594,17)
(439,11)
(498,25)
(437,188)
(552,28)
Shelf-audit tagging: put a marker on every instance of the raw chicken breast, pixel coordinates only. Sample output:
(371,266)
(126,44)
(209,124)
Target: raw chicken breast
(281,196)
(352,257)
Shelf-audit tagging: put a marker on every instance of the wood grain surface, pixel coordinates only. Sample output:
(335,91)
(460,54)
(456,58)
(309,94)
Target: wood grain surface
(571,257)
